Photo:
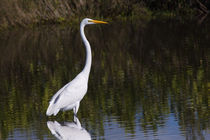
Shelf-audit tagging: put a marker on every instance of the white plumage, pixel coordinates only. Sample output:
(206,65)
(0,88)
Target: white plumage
(68,131)
(71,94)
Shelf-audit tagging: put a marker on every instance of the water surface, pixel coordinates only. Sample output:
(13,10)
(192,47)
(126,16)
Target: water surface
(148,80)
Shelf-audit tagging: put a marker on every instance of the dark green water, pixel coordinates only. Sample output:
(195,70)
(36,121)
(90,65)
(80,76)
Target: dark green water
(148,81)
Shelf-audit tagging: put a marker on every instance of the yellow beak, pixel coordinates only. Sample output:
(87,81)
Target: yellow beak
(97,21)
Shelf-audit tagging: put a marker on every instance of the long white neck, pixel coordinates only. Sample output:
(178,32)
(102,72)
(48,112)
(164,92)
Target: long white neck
(88,62)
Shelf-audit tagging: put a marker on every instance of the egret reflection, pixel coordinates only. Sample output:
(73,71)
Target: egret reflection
(69,130)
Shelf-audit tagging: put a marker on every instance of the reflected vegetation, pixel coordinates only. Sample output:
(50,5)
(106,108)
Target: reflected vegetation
(141,74)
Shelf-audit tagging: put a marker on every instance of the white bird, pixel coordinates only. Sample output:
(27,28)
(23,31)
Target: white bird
(69,96)
(68,131)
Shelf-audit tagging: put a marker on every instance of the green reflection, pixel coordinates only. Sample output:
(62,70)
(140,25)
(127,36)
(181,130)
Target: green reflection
(152,70)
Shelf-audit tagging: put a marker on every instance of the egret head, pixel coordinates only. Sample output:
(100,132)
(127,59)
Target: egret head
(91,21)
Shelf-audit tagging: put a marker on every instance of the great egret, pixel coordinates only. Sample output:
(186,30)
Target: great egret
(73,130)
(71,94)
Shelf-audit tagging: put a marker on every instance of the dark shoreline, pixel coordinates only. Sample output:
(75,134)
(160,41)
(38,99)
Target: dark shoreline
(33,12)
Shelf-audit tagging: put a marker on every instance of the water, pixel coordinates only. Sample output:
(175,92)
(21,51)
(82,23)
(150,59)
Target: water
(148,81)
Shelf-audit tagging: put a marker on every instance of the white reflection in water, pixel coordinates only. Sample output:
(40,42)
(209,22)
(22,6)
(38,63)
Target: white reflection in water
(68,131)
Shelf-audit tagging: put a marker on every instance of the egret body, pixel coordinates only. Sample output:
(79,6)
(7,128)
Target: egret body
(69,96)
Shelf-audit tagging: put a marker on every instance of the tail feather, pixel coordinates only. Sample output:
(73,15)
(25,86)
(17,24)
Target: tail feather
(52,110)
